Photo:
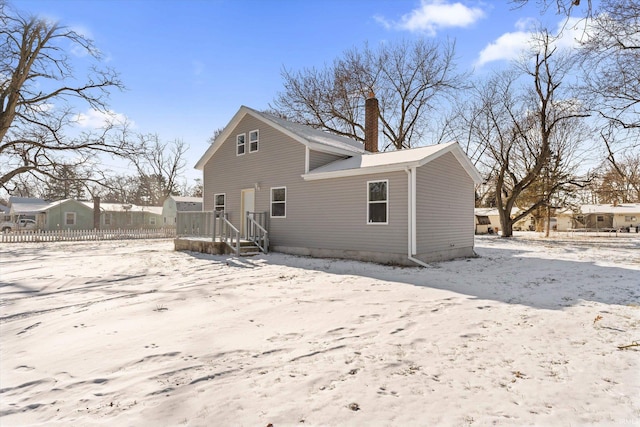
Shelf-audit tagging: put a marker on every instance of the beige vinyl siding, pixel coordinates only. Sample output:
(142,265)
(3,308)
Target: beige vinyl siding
(332,214)
(279,162)
(445,207)
(317,159)
(328,214)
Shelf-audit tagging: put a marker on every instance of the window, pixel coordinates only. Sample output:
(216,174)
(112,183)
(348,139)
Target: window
(628,218)
(600,218)
(69,218)
(218,202)
(279,202)
(152,220)
(483,220)
(377,202)
(107,219)
(253,141)
(240,144)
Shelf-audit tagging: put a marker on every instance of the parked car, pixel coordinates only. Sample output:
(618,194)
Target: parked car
(20,224)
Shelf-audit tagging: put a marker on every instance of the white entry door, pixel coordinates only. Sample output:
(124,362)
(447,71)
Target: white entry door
(248,205)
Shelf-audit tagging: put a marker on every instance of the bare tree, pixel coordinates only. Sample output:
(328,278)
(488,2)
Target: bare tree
(516,115)
(562,7)
(159,168)
(38,96)
(409,79)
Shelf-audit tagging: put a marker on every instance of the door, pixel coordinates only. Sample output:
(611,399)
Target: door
(248,198)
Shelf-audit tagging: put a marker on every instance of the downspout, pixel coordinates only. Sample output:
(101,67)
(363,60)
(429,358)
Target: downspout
(411,216)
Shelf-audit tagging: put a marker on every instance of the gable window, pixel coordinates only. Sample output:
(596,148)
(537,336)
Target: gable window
(377,202)
(240,142)
(69,218)
(218,202)
(253,141)
(279,202)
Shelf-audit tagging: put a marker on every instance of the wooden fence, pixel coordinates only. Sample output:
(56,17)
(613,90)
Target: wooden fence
(84,235)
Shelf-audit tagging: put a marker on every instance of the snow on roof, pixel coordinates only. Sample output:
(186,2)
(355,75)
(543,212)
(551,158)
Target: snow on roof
(125,207)
(185,199)
(624,208)
(391,161)
(25,205)
(314,135)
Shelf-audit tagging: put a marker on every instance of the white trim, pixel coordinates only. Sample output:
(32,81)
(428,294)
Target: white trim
(414,210)
(278,201)
(74,218)
(307,159)
(244,144)
(357,170)
(257,141)
(215,205)
(386,181)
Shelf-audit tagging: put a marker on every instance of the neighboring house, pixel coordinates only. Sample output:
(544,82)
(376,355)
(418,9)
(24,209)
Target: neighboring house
(174,204)
(489,219)
(595,217)
(324,195)
(4,213)
(68,214)
(127,215)
(29,208)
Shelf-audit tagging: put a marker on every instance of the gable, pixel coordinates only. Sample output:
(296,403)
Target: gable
(311,138)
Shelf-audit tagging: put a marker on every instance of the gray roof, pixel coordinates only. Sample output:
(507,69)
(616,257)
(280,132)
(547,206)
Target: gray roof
(362,164)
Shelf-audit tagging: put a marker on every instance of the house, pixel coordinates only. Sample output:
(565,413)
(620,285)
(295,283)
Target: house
(128,216)
(488,221)
(326,196)
(68,214)
(601,217)
(174,204)
(71,214)
(28,208)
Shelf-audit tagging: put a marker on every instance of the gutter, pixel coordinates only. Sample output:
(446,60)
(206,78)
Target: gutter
(411,217)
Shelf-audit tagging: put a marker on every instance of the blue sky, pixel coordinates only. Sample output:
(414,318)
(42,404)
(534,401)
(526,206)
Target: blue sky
(189,65)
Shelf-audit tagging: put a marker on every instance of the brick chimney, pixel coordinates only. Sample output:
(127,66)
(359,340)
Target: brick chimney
(371,123)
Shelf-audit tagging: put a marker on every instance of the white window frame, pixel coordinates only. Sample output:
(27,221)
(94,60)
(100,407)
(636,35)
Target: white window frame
(278,201)
(386,202)
(74,218)
(257,140)
(216,205)
(242,144)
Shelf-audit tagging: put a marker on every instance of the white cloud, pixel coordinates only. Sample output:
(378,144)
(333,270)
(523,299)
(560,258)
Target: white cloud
(433,15)
(511,45)
(94,119)
(508,46)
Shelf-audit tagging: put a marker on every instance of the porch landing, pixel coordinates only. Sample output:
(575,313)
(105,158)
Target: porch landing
(206,245)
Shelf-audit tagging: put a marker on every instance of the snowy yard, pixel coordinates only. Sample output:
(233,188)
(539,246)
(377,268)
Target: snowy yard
(133,333)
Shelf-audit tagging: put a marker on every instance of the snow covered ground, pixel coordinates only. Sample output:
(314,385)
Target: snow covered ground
(133,333)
